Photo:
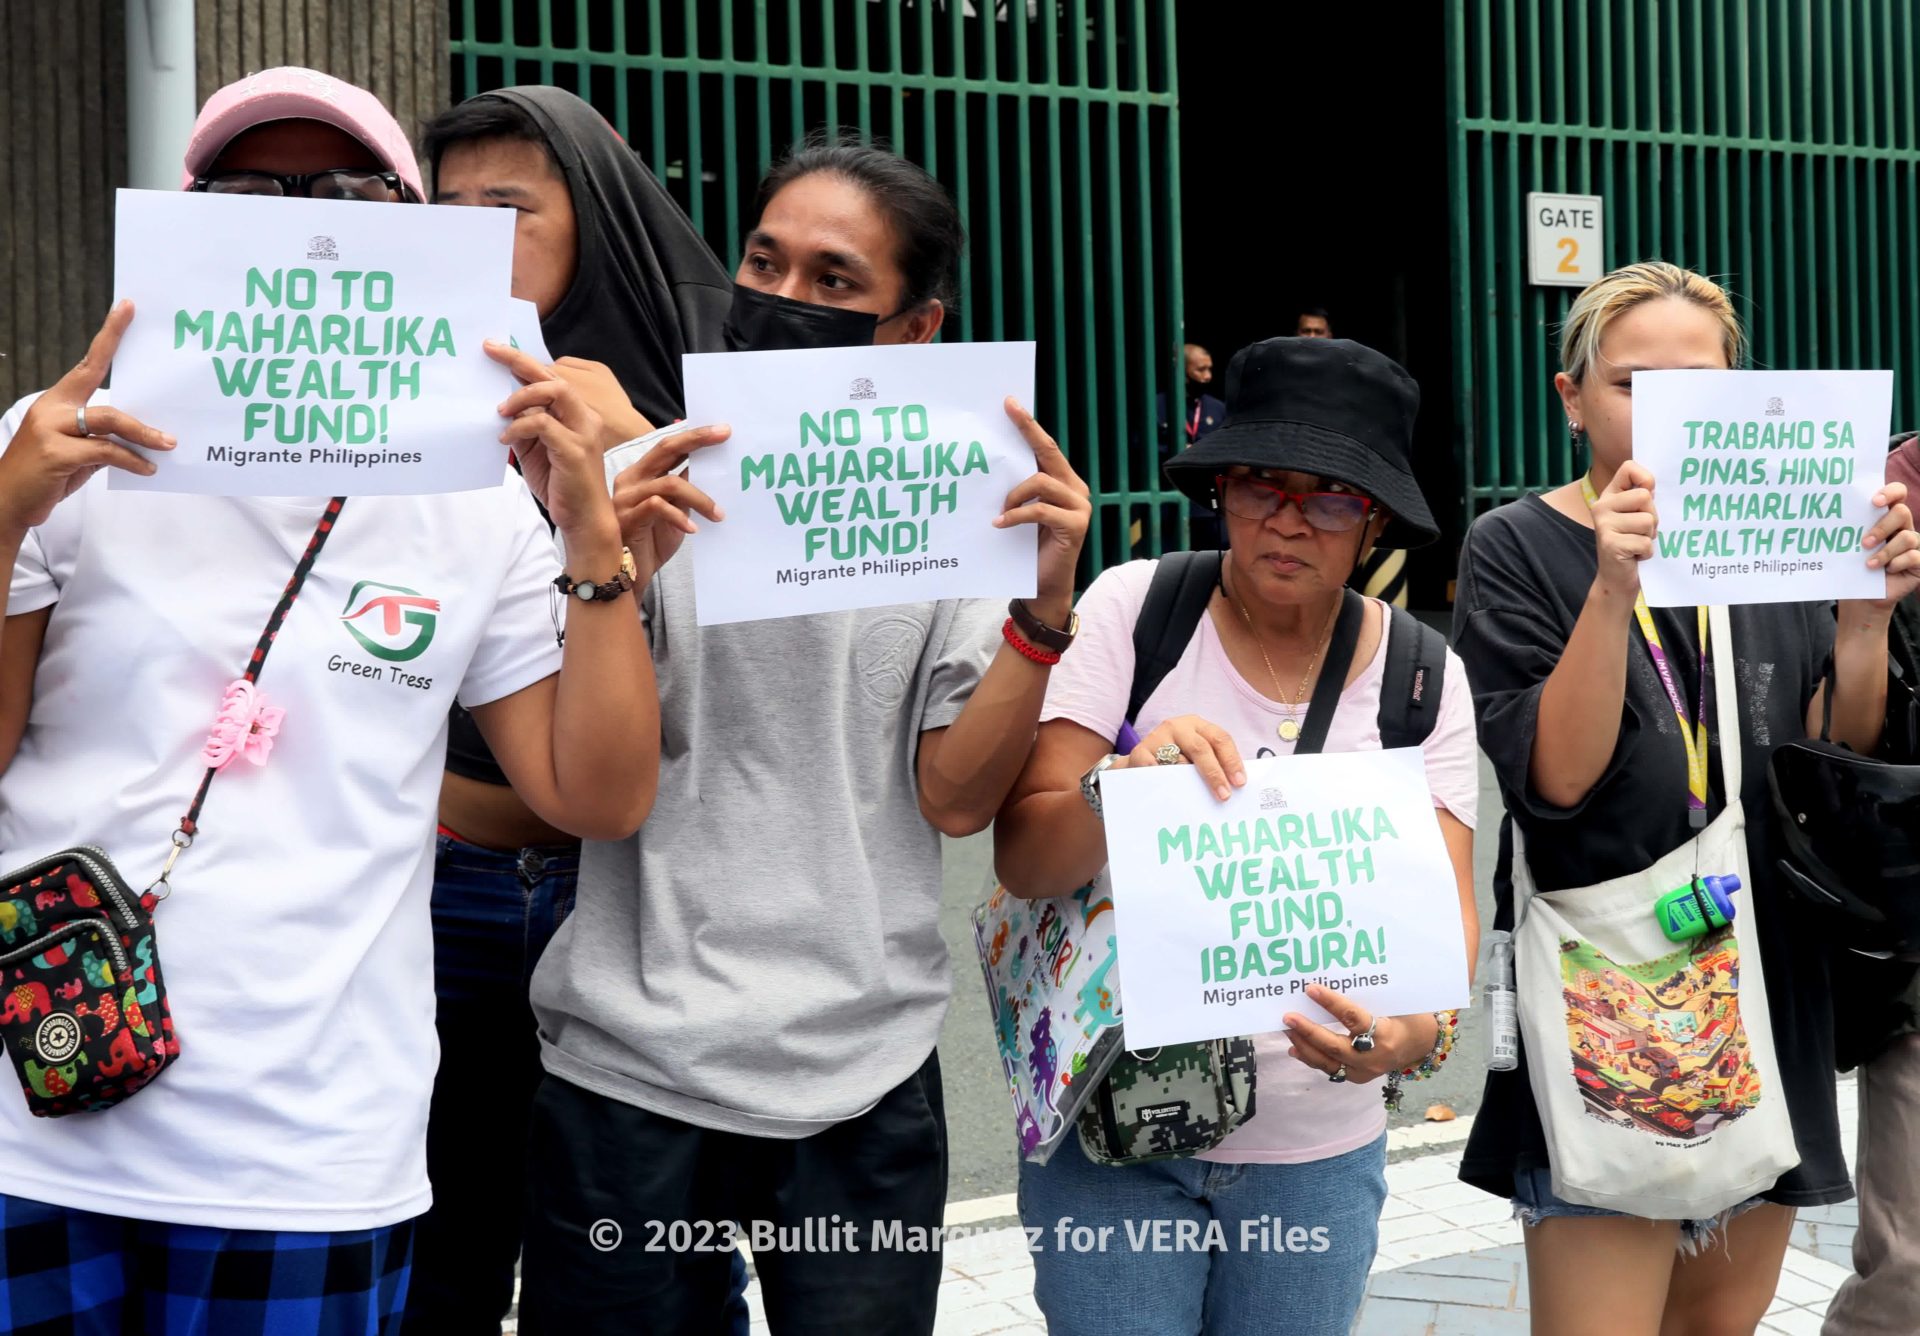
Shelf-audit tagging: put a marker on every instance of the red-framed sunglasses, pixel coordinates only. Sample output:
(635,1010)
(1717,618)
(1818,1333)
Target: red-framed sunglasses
(1257,499)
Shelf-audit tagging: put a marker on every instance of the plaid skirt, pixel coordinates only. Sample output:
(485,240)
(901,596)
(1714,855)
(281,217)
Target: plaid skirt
(65,1272)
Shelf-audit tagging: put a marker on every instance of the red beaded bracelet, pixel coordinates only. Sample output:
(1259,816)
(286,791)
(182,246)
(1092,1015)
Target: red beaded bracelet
(1011,634)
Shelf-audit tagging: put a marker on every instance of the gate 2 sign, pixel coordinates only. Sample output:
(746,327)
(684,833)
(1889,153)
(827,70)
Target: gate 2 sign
(1566,240)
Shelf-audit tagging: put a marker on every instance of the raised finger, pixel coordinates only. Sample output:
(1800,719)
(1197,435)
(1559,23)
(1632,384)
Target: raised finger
(91,370)
(1046,451)
(524,365)
(672,452)
(106,420)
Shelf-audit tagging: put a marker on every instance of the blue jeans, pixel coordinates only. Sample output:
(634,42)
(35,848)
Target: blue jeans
(1533,1201)
(1177,1247)
(493,915)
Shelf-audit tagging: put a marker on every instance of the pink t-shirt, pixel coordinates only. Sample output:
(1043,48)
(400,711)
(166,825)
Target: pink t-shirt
(1299,1114)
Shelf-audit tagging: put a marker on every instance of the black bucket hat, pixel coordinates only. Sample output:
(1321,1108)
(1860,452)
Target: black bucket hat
(1330,407)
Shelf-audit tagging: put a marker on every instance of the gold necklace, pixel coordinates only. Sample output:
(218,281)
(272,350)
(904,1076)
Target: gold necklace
(1288,728)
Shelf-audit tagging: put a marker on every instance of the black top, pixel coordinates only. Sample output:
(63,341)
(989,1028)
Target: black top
(1525,571)
(646,290)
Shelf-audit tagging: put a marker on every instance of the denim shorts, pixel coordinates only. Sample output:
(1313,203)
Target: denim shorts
(1533,1201)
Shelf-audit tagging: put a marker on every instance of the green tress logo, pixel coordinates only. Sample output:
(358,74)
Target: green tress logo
(398,609)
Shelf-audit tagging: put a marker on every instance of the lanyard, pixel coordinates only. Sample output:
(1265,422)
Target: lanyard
(1193,427)
(1694,733)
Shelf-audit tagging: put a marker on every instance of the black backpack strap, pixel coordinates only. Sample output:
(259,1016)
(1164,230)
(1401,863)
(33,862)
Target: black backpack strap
(1333,674)
(1416,671)
(1183,585)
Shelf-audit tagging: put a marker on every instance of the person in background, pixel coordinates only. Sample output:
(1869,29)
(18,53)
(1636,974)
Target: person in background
(1877,1033)
(623,286)
(739,1020)
(266,1181)
(1203,413)
(1314,323)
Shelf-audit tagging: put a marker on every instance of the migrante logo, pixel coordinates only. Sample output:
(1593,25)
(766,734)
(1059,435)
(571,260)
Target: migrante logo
(394,624)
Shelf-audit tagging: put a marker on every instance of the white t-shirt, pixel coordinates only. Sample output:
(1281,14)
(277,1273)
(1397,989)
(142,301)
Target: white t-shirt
(1299,1115)
(296,947)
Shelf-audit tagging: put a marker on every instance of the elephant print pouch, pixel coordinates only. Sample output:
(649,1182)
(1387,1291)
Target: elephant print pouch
(83,1010)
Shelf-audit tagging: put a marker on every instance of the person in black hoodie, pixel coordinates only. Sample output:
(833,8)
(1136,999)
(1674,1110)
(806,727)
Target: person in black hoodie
(624,285)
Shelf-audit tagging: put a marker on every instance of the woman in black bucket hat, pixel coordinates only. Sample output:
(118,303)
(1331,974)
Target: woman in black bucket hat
(1310,470)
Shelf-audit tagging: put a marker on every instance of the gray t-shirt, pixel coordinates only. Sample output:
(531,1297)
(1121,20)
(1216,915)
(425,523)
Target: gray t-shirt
(764,956)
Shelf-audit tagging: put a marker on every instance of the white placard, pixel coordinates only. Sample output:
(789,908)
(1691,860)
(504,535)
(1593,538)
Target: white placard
(1566,239)
(1326,869)
(301,347)
(1763,481)
(527,336)
(859,478)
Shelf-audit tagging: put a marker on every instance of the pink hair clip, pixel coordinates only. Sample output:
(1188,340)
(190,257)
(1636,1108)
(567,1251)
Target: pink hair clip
(246,726)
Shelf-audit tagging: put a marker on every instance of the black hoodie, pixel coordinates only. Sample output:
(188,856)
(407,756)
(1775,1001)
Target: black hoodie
(646,289)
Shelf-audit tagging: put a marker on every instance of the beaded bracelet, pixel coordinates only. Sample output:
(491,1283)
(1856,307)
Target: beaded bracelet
(1448,1023)
(1011,634)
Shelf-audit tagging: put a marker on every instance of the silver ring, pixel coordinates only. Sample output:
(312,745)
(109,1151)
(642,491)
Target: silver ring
(1363,1042)
(1340,1075)
(80,419)
(1168,754)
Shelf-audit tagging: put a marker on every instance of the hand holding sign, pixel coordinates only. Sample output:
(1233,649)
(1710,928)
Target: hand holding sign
(1058,502)
(49,458)
(652,499)
(556,438)
(1398,1041)
(1624,524)
(1204,745)
(1898,547)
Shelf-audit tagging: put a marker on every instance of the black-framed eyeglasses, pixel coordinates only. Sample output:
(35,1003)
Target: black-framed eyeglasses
(348,183)
(1256,499)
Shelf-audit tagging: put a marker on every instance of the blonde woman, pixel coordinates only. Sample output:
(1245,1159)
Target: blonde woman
(1582,729)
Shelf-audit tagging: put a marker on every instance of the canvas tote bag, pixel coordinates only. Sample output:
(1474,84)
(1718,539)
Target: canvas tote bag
(1652,1061)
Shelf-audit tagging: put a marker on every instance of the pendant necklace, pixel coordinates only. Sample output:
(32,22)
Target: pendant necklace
(1288,728)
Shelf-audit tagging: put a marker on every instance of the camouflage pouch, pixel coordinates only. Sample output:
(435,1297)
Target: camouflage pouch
(1174,1101)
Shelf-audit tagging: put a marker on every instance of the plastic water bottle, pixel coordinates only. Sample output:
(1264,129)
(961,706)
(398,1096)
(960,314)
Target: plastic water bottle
(1503,1016)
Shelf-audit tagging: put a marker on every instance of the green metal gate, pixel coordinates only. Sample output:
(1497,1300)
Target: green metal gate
(1053,122)
(1770,143)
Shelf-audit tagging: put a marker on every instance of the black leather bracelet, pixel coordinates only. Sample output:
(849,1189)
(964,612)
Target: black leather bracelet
(1037,632)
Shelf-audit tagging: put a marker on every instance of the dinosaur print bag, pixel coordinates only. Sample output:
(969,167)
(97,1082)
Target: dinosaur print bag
(83,1010)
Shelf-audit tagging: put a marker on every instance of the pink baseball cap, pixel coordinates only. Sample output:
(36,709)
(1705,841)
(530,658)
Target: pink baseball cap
(291,93)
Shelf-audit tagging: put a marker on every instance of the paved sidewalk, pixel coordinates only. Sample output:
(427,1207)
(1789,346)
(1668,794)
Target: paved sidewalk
(1450,1260)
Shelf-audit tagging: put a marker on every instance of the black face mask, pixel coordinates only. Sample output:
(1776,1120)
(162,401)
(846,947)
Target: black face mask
(761,322)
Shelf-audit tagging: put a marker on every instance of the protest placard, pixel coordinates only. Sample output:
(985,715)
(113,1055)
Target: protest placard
(1763,481)
(1326,869)
(301,347)
(527,335)
(859,477)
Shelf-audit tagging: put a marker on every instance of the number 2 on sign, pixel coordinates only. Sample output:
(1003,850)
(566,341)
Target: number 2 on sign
(1572,249)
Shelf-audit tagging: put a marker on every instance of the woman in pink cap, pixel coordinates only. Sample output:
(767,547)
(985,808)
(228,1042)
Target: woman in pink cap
(264,1181)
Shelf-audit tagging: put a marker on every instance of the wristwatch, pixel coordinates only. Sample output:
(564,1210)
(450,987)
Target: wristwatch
(1038,633)
(1090,783)
(595,591)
